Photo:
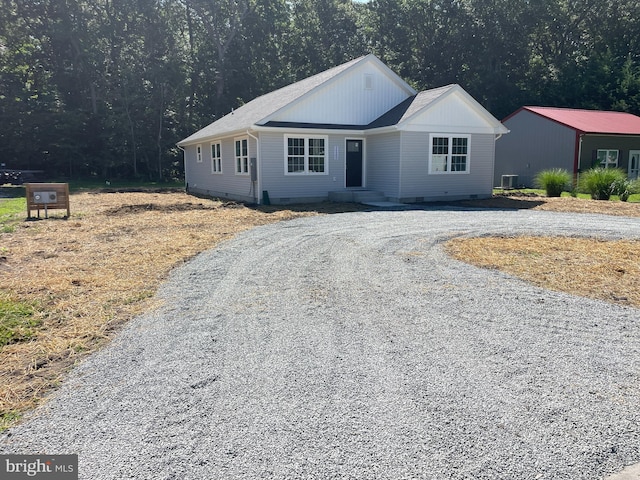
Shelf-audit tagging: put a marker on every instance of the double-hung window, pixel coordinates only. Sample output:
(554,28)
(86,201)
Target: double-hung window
(216,158)
(199,153)
(242,156)
(449,153)
(305,155)
(608,158)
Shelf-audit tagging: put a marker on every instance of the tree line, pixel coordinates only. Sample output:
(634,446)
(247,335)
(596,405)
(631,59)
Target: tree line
(105,88)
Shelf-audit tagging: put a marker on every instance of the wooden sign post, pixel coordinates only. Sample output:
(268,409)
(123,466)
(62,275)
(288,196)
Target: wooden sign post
(46,196)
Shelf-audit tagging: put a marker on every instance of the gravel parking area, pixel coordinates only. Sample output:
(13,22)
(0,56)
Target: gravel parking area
(350,347)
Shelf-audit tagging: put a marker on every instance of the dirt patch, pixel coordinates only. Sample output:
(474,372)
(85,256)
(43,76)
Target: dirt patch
(146,207)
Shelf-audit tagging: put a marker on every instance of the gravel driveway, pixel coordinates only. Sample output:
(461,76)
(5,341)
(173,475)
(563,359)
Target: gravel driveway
(349,346)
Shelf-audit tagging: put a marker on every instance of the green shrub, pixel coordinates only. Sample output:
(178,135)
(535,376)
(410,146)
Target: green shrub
(554,181)
(601,183)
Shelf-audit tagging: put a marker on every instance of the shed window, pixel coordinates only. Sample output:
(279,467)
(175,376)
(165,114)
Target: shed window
(608,158)
(305,155)
(199,153)
(449,154)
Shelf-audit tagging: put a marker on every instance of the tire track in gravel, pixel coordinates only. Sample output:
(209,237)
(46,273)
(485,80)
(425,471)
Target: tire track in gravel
(351,346)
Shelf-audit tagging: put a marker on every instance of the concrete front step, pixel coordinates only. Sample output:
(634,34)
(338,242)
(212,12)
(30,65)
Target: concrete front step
(357,196)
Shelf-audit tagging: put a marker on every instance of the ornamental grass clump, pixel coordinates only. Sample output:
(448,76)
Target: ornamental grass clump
(601,183)
(553,181)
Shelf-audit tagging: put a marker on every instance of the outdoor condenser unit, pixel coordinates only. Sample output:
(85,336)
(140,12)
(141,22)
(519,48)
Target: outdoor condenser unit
(509,182)
(45,197)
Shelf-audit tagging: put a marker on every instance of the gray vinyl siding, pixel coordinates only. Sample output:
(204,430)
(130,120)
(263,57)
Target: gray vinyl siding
(200,180)
(382,167)
(299,188)
(533,144)
(417,184)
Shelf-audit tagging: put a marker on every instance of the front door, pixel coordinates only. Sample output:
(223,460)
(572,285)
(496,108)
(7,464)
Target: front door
(634,163)
(354,163)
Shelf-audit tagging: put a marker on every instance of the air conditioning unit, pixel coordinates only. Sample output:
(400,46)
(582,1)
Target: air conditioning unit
(45,197)
(509,182)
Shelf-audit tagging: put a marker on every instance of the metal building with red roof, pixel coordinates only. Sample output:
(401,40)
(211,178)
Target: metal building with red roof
(573,139)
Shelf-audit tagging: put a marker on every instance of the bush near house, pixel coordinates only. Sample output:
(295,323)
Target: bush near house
(601,183)
(553,181)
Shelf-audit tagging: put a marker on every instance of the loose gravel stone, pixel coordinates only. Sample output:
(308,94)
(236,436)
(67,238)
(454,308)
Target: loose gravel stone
(351,347)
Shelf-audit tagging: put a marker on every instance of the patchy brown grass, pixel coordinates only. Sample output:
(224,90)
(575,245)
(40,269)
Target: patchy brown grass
(606,270)
(96,270)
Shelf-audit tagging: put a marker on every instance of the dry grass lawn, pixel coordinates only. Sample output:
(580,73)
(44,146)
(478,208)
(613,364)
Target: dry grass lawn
(606,270)
(89,274)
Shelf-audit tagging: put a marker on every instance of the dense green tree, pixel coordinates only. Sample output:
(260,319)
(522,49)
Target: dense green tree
(105,88)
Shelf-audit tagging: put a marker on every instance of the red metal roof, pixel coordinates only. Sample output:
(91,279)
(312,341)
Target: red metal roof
(590,121)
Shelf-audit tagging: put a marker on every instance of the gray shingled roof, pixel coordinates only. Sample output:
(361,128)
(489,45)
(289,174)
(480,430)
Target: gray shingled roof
(252,112)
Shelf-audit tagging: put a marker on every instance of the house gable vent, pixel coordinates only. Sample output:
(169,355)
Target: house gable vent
(368,81)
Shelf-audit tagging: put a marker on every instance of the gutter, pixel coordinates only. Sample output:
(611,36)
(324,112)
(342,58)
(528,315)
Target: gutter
(576,160)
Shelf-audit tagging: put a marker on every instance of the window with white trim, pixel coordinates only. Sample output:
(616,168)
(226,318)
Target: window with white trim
(305,155)
(216,158)
(608,158)
(199,153)
(242,156)
(449,153)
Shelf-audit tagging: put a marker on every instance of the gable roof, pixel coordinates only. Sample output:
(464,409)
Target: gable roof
(258,110)
(409,107)
(588,121)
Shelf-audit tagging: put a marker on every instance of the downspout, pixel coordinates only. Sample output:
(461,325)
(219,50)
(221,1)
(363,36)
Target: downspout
(576,160)
(256,184)
(493,161)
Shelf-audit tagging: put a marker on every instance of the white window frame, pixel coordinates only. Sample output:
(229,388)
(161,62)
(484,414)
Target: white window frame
(449,154)
(306,170)
(241,160)
(216,158)
(606,163)
(199,153)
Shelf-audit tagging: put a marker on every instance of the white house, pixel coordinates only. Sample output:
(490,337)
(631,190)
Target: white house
(356,127)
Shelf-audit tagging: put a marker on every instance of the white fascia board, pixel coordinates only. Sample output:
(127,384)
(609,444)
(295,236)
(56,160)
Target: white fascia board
(472,103)
(211,138)
(480,110)
(394,77)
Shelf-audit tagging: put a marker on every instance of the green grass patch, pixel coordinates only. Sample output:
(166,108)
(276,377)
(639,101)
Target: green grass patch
(12,211)
(8,419)
(540,192)
(17,321)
